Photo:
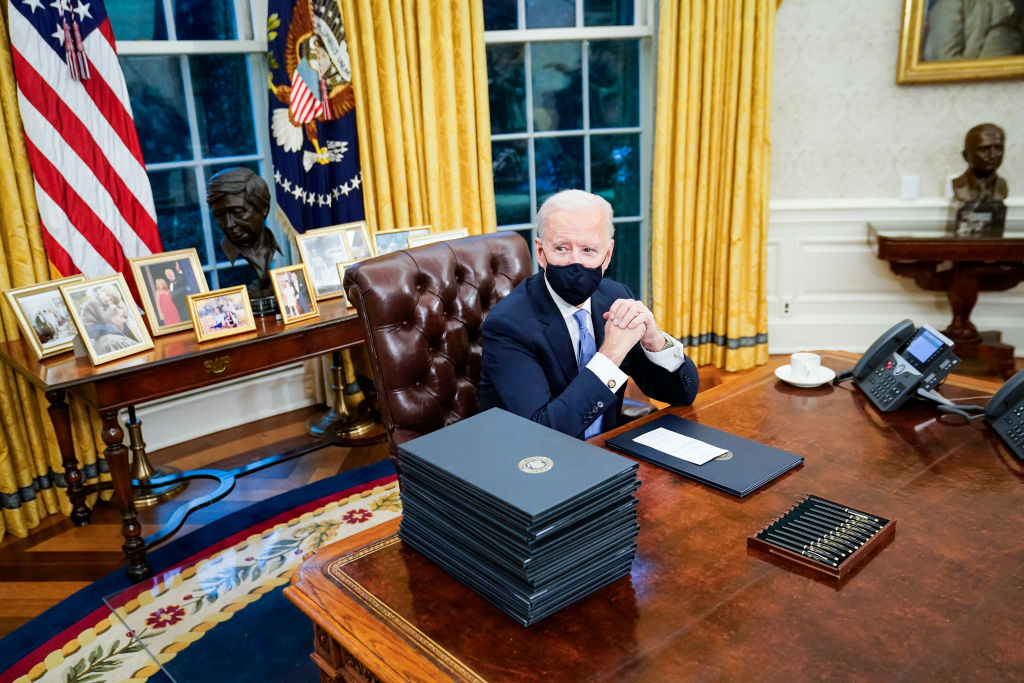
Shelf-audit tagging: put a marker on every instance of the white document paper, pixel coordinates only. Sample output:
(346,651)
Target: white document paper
(680,446)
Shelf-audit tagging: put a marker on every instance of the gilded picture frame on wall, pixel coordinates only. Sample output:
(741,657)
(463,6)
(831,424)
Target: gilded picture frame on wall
(939,42)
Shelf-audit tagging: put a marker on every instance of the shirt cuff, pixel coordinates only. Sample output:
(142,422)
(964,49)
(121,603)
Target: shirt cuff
(671,358)
(609,373)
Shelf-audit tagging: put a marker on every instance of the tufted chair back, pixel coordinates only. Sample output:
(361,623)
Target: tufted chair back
(422,310)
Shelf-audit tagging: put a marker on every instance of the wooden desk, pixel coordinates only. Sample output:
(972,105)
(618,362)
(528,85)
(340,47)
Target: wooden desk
(939,260)
(942,601)
(176,363)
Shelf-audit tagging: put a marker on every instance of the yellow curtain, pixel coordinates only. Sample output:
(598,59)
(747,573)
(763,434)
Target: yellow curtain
(30,464)
(419,72)
(711,177)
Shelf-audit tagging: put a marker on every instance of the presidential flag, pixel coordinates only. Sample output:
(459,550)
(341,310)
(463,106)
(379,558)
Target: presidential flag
(95,203)
(312,118)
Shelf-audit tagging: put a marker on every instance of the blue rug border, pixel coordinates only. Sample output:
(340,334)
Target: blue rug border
(18,643)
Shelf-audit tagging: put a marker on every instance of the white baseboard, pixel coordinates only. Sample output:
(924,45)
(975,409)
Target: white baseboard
(197,413)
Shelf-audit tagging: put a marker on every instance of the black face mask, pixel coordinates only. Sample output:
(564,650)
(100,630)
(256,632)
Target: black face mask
(574,283)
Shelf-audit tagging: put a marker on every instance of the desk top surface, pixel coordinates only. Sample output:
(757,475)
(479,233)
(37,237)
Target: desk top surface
(943,597)
(68,370)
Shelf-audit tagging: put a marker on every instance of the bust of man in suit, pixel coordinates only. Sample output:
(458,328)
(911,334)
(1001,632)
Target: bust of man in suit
(240,202)
(983,152)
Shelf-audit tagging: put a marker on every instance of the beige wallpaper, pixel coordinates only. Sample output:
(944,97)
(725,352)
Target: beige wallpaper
(842,128)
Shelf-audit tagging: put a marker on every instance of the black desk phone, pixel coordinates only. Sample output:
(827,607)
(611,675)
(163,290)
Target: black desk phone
(1005,413)
(903,362)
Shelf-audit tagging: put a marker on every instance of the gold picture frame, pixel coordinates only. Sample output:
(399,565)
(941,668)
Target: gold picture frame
(294,293)
(43,316)
(420,240)
(164,282)
(321,249)
(221,313)
(387,241)
(342,267)
(915,68)
(107,318)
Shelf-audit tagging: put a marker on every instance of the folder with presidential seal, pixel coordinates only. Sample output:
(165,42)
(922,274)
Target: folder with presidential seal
(722,460)
(529,518)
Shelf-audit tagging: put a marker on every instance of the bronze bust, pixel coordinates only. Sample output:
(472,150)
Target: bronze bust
(983,152)
(240,202)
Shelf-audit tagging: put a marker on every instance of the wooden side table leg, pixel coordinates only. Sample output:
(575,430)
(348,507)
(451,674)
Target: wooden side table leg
(336,664)
(60,416)
(117,460)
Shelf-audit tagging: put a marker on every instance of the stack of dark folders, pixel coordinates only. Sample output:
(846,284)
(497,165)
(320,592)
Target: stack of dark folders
(529,518)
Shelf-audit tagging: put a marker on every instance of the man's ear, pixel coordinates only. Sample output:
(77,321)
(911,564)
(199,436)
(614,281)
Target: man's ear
(608,258)
(539,251)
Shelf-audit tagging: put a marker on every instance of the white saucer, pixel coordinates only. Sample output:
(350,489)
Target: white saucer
(821,377)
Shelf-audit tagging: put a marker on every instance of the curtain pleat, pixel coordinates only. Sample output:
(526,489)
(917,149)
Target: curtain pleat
(420,80)
(710,180)
(31,469)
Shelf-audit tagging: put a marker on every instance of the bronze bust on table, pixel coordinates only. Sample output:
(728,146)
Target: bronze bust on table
(240,202)
(979,191)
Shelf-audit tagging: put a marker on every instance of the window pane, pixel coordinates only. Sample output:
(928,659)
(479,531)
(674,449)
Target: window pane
(158,104)
(607,12)
(625,265)
(137,20)
(499,15)
(550,13)
(506,85)
(178,213)
(615,171)
(557,86)
(238,275)
(218,234)
(511,181)
(614,73)
(204,20)
(559,165)
(220,84)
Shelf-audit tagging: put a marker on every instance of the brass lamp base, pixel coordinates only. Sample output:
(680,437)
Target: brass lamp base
(143,494)
(334,426)
(353,419)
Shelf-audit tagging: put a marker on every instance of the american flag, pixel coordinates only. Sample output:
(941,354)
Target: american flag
(95,203)
(304,105)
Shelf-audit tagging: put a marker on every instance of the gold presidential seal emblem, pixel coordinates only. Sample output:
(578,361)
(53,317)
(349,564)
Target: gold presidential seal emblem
(536,464)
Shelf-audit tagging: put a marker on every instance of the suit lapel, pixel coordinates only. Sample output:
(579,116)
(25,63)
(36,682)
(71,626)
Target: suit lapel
(556,333)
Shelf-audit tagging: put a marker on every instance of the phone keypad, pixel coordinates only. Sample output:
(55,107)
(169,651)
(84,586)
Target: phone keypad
(885,388)
(1010,426)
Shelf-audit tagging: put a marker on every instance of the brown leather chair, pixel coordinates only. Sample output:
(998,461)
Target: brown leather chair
(422,310)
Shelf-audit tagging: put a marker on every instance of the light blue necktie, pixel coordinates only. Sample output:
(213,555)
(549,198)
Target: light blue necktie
(586,350)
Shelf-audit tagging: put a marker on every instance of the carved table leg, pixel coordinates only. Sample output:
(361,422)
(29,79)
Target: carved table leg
(117,460)
(963,294)
(60,416)
(336,664)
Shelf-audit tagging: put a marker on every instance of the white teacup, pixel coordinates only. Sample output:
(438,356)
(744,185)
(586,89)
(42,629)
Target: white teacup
(804,366)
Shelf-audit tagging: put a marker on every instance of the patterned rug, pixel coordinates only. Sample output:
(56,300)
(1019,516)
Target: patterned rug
(214,610)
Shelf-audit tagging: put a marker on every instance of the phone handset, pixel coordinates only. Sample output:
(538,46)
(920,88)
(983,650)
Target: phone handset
(882,348)
(1005,413)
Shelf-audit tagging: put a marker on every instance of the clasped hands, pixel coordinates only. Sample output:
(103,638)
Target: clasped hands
(627,322)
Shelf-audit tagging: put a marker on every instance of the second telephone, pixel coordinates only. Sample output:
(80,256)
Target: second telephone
(903,362)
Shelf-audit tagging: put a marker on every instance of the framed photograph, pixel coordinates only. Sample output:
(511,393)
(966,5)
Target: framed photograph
(165,282)
(43,316)
(357,238)
(294,293)
(321,250)
(341,276)
(420,240)
(107,318)
(946,40)
(221,313)
(387,241)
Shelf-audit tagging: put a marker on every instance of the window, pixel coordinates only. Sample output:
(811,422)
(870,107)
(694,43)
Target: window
(197,84)
(569,91)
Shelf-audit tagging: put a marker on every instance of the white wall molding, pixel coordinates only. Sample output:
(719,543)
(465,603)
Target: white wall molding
(200,412)
(827,290)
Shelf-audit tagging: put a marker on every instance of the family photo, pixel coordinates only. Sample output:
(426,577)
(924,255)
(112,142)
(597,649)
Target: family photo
(43,316)
(107,316)
(165,282)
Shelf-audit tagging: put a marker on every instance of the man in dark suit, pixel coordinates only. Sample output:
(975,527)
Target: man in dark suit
(179,292)
(534,338)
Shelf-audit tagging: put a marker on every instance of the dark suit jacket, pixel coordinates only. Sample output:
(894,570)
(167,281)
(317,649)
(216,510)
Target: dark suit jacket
(529,364)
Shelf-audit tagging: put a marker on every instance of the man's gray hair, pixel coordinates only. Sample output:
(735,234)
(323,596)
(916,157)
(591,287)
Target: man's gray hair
(574,200)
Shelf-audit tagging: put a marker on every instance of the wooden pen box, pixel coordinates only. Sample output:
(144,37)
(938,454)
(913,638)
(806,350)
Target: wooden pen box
(824,535)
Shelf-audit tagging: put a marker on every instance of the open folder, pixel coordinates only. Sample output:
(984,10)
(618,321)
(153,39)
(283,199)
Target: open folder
(746,467)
